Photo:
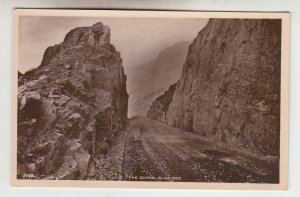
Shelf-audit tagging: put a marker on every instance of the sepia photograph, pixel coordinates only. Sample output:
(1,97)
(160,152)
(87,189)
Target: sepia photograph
(144,99)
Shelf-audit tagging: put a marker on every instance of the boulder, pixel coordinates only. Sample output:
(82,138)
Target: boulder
(32,98)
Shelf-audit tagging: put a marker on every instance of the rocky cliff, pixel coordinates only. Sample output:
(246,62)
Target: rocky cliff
(160,106)
(229,88)
(71,106)
(148,81)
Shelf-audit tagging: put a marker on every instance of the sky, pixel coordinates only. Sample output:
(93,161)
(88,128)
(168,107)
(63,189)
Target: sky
(139,40)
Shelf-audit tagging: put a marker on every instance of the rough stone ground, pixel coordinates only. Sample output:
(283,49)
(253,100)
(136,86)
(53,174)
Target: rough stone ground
(152,151)
(109,166)
(157,152)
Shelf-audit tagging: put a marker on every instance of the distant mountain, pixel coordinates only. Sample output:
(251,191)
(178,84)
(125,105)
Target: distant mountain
(147,81)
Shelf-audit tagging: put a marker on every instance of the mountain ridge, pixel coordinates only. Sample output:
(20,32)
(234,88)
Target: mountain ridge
(159,72)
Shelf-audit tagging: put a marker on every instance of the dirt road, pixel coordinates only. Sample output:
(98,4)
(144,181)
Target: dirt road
(157,152)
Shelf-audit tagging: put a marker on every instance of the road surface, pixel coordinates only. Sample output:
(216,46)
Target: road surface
(157,152)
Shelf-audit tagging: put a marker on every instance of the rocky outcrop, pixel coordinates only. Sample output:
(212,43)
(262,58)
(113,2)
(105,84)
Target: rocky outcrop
(146,82)
(71,106)
(229,89)
(160,106)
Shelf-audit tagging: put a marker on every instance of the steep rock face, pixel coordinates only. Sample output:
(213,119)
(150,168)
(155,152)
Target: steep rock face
(71,106)
(229,89)
(160,106)
(148,81)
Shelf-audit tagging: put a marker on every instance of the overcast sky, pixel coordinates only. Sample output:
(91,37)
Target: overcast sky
(137,39)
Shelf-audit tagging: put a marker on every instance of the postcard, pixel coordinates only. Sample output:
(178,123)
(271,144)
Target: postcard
(150,99)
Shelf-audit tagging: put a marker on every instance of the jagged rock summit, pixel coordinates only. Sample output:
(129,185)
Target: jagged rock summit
(229,89)
(95,37)
(71,106)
